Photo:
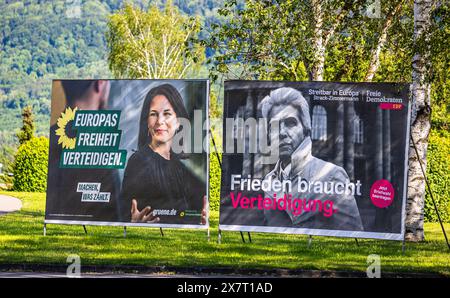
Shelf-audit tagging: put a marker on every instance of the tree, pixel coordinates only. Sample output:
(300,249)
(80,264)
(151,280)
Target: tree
(303,40)
(382,39)
(421,120)
(336,41)
(153,44)
(31,164)
(7,162)
(27,130)
(279,39)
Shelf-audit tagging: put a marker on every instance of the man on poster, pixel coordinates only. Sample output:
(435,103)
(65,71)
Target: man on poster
(288,107)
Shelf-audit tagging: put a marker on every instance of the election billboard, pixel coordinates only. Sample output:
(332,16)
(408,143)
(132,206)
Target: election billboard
(128,153)
(315,158)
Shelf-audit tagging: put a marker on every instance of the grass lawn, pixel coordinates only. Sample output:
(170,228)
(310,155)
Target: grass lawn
(22,242)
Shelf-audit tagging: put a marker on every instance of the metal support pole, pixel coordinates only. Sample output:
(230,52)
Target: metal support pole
(124,231)
(242,236)
(215,148)
(356,240)
(309,241)
(219,237)
(249,237)
(84,227)
(45,229)
(161,231)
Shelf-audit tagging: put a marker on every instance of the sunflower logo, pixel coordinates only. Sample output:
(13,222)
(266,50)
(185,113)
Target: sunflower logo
(67,116)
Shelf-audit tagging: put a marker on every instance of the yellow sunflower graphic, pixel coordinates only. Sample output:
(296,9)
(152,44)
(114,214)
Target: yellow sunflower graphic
(66,141)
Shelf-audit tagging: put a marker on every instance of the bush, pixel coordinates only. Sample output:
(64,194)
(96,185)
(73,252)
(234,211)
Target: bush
(215,172)
(31,162)
(438,175)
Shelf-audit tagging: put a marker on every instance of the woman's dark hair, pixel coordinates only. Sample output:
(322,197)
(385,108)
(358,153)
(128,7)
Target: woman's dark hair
(173,96)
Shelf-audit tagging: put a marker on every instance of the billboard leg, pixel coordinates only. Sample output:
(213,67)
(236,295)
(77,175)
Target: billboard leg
(45,229)
(249,237)
(215,148)
(85,231)
(124,232)
(242,236)
(161,231)
(309,241)
(356,240)
(219,237)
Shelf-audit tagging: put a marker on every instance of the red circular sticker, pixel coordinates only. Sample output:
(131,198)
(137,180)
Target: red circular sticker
(382,193)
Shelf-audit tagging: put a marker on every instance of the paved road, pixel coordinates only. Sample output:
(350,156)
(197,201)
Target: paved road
(9,204)
(86,275)
(18,274)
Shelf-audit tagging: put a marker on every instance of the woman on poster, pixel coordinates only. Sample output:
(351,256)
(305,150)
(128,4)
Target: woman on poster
(157,187)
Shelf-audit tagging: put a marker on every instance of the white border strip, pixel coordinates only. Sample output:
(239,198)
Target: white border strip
(124,224)
(405,183)
(207,151)
(314,232)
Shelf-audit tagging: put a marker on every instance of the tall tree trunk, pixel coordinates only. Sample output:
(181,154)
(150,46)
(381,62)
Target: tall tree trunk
(375,60)
(321,36)
(420,123)
(318,62)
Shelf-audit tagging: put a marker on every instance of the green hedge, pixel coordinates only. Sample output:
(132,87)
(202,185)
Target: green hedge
(438,174)
(30,169)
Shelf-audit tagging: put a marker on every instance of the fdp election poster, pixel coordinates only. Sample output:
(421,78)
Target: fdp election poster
(315,158)
(128,152)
